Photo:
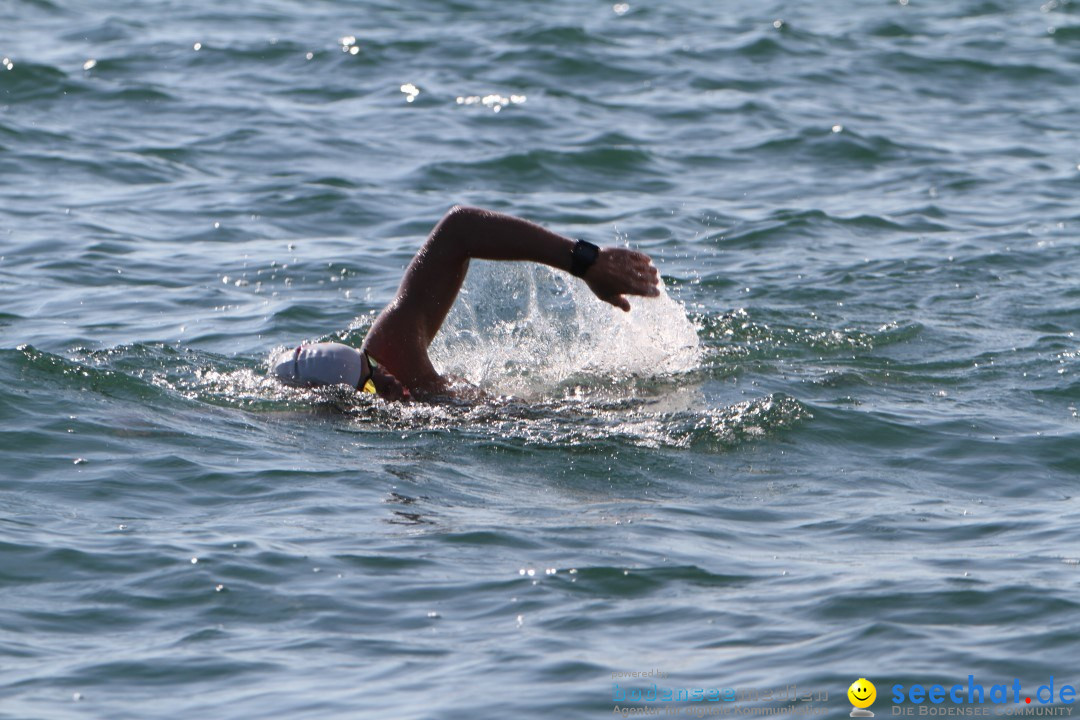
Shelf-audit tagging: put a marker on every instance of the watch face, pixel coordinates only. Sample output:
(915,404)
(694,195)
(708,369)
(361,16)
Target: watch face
(584,256)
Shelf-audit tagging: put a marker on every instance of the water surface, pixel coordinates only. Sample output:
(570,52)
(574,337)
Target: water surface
(843,444)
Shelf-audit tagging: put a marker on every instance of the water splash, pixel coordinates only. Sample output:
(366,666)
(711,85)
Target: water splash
(524,330)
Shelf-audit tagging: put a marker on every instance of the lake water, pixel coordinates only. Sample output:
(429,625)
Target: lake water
(843,444)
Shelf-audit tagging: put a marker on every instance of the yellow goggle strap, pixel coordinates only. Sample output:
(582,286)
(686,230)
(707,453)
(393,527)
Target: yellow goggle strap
(367,385)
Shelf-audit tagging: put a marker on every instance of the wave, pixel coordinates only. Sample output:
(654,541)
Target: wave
(786,223)
(29,82)
(584,168)
(838,147)
(970,70)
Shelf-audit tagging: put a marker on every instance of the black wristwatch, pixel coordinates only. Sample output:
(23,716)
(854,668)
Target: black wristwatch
(582,257)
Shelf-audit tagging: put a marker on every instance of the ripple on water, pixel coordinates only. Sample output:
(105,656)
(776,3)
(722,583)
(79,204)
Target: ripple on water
(851,424)
(25,82)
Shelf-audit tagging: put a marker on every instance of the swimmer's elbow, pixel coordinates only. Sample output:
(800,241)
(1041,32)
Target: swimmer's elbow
(457,228)
(458,212)
(462,218)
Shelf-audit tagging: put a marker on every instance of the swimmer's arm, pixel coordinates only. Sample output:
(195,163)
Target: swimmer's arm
(488,235)
(434,277)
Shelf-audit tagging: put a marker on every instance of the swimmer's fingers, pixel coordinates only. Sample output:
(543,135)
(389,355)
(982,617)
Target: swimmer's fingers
(648,279)
(642,275)
(618,272)
(618,301)
(389,387)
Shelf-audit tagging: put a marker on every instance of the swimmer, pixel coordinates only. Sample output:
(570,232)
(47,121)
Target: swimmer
(393,361)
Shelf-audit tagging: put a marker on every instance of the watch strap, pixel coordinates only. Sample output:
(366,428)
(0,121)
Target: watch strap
(582,257)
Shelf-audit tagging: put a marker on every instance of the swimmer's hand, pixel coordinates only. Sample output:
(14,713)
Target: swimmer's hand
(389,387)
(618,272)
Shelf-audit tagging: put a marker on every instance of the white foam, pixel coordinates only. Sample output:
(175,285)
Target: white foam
(523,329)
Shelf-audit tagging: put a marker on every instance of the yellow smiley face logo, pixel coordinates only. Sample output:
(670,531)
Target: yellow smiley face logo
(862,693)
